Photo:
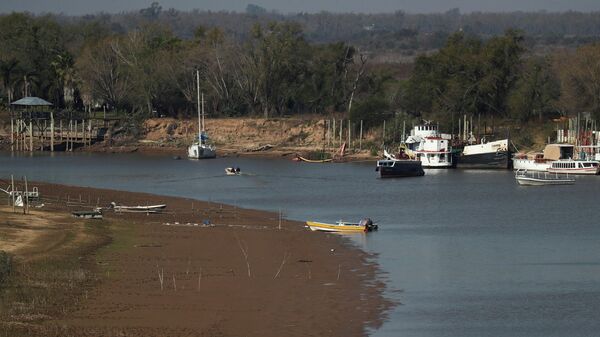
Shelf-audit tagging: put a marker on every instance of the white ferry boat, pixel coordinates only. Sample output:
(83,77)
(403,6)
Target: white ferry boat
(430,147)
(562,156)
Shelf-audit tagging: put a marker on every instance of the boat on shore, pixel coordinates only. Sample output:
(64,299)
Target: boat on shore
(306,160)
(365,225)
(537,178)
(486,155)
(138,209)
(95,214)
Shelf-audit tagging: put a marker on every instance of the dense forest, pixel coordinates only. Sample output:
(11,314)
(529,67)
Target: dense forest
(267,64)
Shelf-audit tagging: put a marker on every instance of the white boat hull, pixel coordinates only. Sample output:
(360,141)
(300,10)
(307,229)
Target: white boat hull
(588,171)
(197,151)
(527,181)
(140,209)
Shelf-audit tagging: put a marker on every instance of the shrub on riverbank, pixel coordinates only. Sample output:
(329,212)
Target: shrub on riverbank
(5,266)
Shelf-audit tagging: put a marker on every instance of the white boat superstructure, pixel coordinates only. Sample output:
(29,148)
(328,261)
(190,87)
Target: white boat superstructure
(429,146)
(564,160)
(200,149)
(571,166)
(486,148)
(531,162)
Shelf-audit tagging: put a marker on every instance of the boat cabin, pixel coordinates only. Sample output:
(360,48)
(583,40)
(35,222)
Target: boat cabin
(559,151)
(569,164)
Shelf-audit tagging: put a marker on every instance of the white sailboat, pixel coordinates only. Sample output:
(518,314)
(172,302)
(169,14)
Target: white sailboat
(200,149)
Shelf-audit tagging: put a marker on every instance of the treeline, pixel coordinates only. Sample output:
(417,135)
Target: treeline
(398,31)
(276,71)
(498,78)
(150,71)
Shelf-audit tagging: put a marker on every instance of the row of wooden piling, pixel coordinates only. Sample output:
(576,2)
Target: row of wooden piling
(24,133)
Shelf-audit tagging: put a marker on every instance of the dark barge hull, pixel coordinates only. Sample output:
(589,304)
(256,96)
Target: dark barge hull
(492,160)
(401,171)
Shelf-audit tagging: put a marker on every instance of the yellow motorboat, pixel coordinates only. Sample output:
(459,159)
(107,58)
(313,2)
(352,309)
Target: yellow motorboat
(365,225)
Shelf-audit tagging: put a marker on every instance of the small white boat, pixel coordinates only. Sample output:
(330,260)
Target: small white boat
(526,178)
(365,225)
(233,171)
(138,209)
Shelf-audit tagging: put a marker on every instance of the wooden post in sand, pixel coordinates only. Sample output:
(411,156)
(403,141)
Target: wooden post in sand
(74,135)
(332,137)
(30,135)
(12,134)
(12,190)
(51,132)
(360,138)
(25,199)
(349,131)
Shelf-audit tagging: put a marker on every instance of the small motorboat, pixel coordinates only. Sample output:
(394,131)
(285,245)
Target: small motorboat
(233,171)
(365,225)
(95,214)
(542,178)
(138,209)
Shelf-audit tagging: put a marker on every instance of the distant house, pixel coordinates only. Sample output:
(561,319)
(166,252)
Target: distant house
(369,27)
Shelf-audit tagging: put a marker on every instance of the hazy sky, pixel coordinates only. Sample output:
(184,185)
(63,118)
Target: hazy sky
(77,7)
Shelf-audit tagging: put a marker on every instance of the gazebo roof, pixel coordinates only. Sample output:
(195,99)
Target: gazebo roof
(31,101)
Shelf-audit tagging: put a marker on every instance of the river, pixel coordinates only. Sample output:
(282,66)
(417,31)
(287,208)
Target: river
(467,253)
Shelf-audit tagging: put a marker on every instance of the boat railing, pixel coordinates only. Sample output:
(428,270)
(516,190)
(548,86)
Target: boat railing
(538,175)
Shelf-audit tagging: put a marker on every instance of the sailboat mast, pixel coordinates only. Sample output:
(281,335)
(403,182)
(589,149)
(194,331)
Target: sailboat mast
(198,98)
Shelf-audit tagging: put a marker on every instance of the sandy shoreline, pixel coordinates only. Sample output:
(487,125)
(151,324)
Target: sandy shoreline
(240,276)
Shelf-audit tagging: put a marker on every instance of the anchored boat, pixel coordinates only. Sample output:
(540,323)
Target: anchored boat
(201,149)
(541,178)
(490,155)
(395,168)
(430,146)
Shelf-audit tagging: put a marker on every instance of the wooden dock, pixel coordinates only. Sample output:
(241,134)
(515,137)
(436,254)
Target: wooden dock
(43,131)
